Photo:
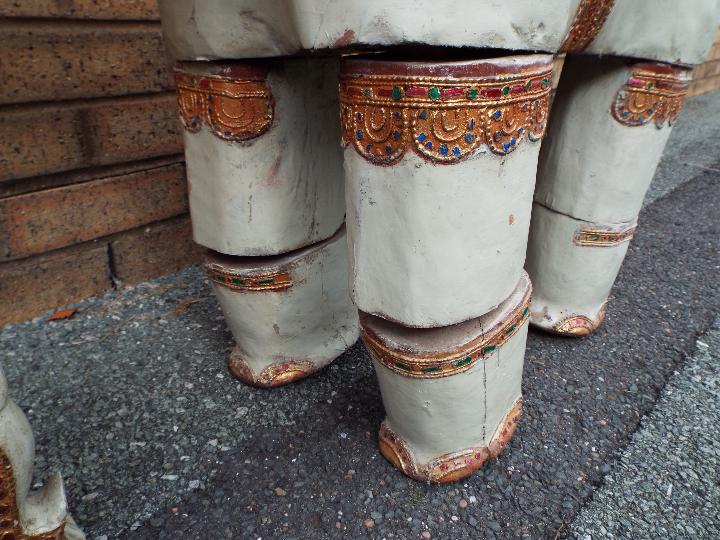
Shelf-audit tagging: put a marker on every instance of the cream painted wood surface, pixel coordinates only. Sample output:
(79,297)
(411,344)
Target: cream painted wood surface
(283,189)
(436,416)
(313,320)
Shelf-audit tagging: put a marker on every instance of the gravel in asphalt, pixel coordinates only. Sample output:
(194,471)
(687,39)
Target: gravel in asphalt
(666,483)
(131,401)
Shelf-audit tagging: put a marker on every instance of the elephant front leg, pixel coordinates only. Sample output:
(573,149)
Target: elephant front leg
(440,162)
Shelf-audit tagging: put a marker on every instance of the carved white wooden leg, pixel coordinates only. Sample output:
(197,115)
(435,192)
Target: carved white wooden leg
(266,193)
(290,314)
(609,125)
(25,515)
(440,162)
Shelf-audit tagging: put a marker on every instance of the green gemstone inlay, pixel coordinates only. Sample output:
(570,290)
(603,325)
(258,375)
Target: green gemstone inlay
(511,329)
(544,83)
(367,92)
(265,281)
(238,281)
(489,348)
(525,311)
(403,366)
(397,92)
(463,362)
(528,85)
(434,93)
(473,93)
(649,86)
(220,277)
(506,90)
(434,369)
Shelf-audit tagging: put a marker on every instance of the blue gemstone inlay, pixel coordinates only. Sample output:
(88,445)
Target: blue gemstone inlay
(496,115)
(428,145)
(359,116)
(388,149)
(359,135)
(469,137)
(624,113)
(520,131)
(472,124)
(227,133)
(423,114)
(506,146)
(512,141)
(396,135)
(443,150)
(649,111)
(210,98)
(422,137)
(456,151)
(396,116)
(497,136)
(368,147)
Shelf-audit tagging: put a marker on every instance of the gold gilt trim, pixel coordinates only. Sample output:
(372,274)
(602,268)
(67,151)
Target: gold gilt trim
(602,237)
(271,376)
(235,110)
(589,20)
(9,516)
(442,119)
(448,467)
(239,282)
(580,325)
(650,96)
(434,366)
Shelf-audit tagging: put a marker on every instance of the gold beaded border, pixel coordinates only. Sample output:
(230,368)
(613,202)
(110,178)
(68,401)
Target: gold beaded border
(270,281)
(589,19)
(444,365)
(602,237)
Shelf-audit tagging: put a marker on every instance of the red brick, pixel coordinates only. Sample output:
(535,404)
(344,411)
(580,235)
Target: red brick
(50,219)
(48,139)
(31,286)
(159,248)
(45,61)
(82,9)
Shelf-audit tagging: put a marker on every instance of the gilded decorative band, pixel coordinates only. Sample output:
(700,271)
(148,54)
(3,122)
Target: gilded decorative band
(443,119)
(271,376)
(654,92)
(240,282)
(589,20)
(10,528)
(446,364)
(580,325)
(604,237)
(235,110)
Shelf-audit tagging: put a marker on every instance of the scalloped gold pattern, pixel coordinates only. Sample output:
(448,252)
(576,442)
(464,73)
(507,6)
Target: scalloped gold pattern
(589,20)
(235,110)
(442,119)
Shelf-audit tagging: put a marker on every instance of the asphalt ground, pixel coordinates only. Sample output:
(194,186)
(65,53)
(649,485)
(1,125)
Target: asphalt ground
(131,401)
(666,483)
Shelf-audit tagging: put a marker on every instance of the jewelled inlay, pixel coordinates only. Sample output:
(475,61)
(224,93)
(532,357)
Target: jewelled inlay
(435,366)
(235,110)
(650,96)
(589,20)
(276,281)
(603,237)
(9,515)
(442,119)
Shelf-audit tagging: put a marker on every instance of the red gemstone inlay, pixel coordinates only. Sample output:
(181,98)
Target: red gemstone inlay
(491,92)
(354,91)
(415,91)
(204,83)
(452,92)
(384,92)
(636,82)
(518,89)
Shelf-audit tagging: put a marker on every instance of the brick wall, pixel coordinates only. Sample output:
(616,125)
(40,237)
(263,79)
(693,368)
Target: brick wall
(92,181)
(706,77)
